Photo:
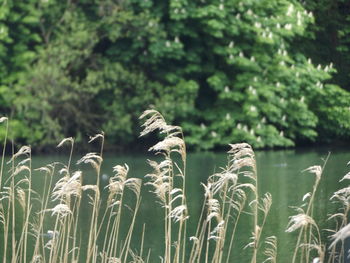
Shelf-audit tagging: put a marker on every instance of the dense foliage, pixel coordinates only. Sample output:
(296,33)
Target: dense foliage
(227,71)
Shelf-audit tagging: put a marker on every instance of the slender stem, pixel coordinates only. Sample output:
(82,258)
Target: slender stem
(3,158)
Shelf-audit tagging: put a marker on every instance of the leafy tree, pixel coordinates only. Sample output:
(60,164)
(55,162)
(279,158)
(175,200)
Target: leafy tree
(330,33)
(82,80)
(226,71)
(259,90)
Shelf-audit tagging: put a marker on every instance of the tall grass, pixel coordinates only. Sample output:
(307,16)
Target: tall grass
(45,225)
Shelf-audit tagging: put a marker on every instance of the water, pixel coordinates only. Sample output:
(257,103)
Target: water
(279,172)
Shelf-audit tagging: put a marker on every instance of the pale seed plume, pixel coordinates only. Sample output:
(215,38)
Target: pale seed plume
(69,139)
(298,221)
(68,186)
(99,135)
(341,235)
(3,119)
(61,210)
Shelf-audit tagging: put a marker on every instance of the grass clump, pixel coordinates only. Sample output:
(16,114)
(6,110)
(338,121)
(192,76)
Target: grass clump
(45,225)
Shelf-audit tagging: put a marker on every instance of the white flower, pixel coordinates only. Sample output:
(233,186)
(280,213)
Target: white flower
(252,108)
(288,26)
(290,10)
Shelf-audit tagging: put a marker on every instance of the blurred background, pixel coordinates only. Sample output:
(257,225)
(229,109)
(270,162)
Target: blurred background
(273,73)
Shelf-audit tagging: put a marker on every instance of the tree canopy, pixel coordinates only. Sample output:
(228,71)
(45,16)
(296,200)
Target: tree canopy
(227,71)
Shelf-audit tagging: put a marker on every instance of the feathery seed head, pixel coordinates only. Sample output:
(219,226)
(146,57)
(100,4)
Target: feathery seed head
(3,119)
(160,178)
(37,259)
(346,177)
(298,221)
(134,184)
(21,196)
(115,186)
(316,169)
(99,135)
(21,168)
(342,234)
(68,186)
(121,171)
(207,190)
(271,249)
(266,203)
(24,150)
(45,169)
(153,122)
(242,155)
(90,187)
(224,178)
(93,158)
(114,260)
(178,213)
(61,210)
(216,234)
(213,209)
(69,139)
(194,239)
(170,144)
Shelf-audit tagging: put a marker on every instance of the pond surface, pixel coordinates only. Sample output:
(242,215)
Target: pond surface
(279,172)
